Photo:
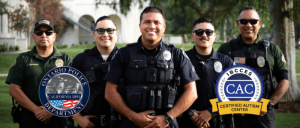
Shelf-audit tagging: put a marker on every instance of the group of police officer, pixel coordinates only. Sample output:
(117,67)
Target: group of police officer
(150,83)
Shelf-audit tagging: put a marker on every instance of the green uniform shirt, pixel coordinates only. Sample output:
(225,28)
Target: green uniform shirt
(29,68)
(275,55)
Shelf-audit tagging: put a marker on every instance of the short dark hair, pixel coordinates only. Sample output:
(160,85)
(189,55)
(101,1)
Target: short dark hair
(248,8)
(202,20)
(152,9)
(104,18)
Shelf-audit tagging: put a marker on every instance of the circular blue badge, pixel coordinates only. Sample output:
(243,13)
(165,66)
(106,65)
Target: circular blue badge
(64,91)
(239,83)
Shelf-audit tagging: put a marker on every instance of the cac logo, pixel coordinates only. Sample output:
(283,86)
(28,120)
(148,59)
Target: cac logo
(239,83)
(64,91)
(239,90)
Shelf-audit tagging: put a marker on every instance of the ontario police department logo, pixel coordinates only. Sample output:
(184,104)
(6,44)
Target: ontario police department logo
(64,91)
(239,90)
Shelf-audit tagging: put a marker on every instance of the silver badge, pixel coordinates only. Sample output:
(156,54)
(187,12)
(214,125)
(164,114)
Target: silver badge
(261,61)
(218,67)
(167,55)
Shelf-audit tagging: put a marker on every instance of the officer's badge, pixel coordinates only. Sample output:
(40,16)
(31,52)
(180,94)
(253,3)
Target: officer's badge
(59,63)
(14,63)
(185,55)
(283,59)
(261,61)
(167,55)
(218,67)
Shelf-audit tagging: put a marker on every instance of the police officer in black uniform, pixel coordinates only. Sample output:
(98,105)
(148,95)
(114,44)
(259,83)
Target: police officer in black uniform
(93,63)
(151,71)
(208,64)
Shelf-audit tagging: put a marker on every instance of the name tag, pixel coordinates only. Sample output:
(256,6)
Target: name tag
(33,64)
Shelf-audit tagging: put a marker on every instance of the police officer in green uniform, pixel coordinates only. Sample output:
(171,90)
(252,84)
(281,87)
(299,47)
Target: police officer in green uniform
(25,75)
(151,70)
(264,57)
(93,63)
(208,64)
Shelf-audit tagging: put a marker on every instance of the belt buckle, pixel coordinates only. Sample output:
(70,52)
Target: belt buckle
(102,120)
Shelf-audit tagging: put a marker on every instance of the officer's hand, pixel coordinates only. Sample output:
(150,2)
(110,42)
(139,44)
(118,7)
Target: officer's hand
(203,118)
(262,113)
(141,119)
(43,115)
(84,121)
(158,122)
(194,117)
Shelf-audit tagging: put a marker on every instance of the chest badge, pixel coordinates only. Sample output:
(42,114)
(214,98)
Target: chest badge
(218,67)
(261,61)
(167,55)
(59,63)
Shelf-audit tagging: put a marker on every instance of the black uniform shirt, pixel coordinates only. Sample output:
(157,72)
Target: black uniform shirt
(206,71)
(81,63)
(119,64)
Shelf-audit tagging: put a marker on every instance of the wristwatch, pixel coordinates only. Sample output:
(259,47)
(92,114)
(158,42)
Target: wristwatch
(169,119)
(191,112)
(270,106)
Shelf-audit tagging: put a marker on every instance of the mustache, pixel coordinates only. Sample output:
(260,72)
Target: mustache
(203,38)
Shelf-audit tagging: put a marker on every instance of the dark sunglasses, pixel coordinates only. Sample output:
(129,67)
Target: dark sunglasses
(245,22)
(40,32)
(102,30)
(208,32)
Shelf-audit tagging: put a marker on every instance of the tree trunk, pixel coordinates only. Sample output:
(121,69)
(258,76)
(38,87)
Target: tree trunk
(284,37)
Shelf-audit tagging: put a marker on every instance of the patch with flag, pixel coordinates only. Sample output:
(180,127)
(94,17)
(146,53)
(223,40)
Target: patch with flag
(239,60)
(63,104)
(64,91)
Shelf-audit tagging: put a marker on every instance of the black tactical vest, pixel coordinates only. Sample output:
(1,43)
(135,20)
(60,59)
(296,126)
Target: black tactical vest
(253,61)
(150,79)
(95,70)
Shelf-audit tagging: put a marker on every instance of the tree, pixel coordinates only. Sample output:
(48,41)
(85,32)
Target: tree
(218,10)
(23,18)
(283,30)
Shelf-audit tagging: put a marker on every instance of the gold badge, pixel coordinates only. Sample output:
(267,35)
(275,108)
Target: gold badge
(59,63)
(44,22)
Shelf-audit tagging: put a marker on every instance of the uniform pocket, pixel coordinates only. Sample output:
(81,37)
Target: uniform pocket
(136,98)
(136,71)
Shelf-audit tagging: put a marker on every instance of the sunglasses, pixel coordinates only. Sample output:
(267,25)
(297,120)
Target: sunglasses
(102,30)
(40,32)
(208,32)
(245,22)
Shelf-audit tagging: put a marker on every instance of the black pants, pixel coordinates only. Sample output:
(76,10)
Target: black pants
(254,121)
(126,123)
(186,122)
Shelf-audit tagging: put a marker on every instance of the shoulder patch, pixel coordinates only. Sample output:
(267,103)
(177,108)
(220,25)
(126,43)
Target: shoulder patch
(283,59)
(114,56)
(13,63)
(185,55)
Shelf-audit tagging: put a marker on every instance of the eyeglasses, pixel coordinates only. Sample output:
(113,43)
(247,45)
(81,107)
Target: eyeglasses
(102,30)
(40,32)
(208,32)
(245,22)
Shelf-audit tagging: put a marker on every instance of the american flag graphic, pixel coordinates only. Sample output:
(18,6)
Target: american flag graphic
(63,104)
(239,60)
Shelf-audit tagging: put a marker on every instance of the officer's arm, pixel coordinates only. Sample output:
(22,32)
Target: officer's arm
(281,88)
(185,101)
(116,101)
(16,92)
